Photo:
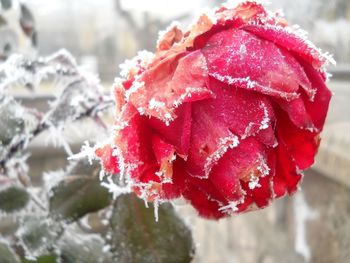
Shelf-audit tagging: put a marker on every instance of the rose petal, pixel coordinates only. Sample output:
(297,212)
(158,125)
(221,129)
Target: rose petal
(286,178)
(171,36)
(259,189)
(178,132)
(301,144)
(168,84)
(108,159)
(239,58)
(290,40)
(135,147)
(248,11)
(218,122)
(205,206)
(297,113)
(318,108)
(178,185)
(165,155)
(244,163)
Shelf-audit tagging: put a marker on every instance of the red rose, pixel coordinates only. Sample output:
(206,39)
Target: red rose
(226,115)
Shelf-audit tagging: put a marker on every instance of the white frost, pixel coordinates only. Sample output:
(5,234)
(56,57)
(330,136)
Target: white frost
(225,143)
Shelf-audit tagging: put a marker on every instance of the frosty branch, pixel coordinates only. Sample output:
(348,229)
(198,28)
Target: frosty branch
(81,96)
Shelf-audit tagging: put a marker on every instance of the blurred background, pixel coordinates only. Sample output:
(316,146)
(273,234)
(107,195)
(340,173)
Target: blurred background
(314,225)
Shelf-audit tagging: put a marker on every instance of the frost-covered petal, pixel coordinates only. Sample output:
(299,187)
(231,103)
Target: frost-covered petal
(301,144)
(206,206)
(178,132)
(248,11)
(258,189)
(286,177)
(318,108)
(287,38)
(219,124)
(169,37)
(297,113)
(169,83)
(135,147)
(108,160)
(243,163)
(165,155)
(239,58)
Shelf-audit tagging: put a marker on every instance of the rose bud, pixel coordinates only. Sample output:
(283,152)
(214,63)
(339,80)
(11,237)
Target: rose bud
(227,114)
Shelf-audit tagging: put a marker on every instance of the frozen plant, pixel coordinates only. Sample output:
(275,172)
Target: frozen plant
(52,222)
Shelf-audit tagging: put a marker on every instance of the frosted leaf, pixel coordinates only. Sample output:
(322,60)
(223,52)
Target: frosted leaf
(76,98)
(76,246)
(17,167)
(26,72)
(51,179)
(16,122)
(36,235)
(57,139)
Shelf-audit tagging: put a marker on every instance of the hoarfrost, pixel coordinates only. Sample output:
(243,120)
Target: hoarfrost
(224,144)
(254,182)
(232,207)
(86,152)
(115,189)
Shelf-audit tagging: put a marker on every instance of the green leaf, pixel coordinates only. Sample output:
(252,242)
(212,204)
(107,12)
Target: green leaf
(37,235)
(77,248)
(137,237)
(42,259)
(13,199)
(6,254)
(74,198)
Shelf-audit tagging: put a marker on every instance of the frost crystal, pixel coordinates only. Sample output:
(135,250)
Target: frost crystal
(265,122)
(225,143)
(254,182)
(155,105)
(231,207)
(115,189)
(86,152)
